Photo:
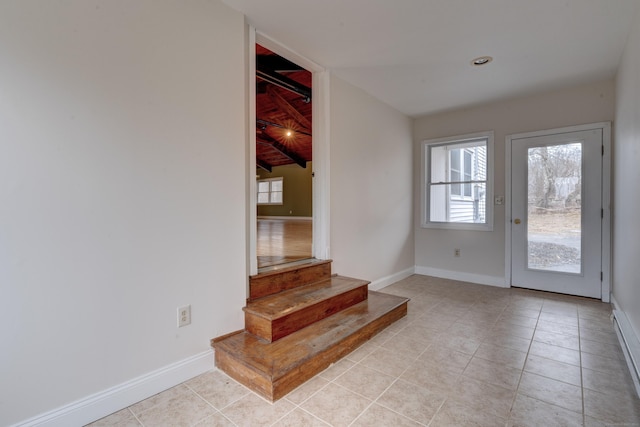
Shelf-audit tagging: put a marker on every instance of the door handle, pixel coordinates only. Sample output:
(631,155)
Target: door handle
(517,221)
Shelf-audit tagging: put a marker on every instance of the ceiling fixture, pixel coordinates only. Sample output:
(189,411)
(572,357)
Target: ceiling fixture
(481,60)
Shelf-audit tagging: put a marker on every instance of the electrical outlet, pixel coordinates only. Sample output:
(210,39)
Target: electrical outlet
(184,315)
(456,252)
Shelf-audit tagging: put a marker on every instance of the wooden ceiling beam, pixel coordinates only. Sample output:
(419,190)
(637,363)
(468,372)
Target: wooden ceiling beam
(263,165)
(284,82)
(285,151)
(286,106)
(277,63)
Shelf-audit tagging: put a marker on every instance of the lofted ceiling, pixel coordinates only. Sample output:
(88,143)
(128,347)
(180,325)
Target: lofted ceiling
(415,54)
(283,111)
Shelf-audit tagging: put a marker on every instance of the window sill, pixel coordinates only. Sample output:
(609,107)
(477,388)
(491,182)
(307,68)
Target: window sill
(457,226)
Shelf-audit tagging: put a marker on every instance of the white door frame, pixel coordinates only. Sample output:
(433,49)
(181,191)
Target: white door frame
(320,132)
(606,198)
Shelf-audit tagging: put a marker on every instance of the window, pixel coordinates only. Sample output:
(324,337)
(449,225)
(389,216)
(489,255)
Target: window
(270,191)
(460,171)
(457,182)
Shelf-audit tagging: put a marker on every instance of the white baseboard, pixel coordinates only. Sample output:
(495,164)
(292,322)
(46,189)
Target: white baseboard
(629,342)
(106,402)
(479,279)
(376,285)
(293,218)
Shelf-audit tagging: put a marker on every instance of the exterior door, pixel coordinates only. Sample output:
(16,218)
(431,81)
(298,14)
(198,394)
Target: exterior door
(556,212)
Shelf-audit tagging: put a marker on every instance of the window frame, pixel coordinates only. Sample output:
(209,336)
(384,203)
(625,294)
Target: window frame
(270,181)
(425,181)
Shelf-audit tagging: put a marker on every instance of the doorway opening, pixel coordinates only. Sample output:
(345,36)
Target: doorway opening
(284,151)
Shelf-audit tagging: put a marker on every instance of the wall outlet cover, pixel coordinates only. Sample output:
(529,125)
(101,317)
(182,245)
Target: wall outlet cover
(184,315)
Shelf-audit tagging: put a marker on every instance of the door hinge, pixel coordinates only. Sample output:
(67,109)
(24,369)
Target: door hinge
(601,212)
(601,276)
(603,150)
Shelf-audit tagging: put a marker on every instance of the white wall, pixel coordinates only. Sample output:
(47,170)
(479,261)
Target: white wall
(122,136)
(482,253)
(626,232)
(371,185)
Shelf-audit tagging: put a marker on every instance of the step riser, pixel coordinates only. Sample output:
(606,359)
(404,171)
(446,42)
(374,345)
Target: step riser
(257,382)
(269,284)
(273,389)
(279,328)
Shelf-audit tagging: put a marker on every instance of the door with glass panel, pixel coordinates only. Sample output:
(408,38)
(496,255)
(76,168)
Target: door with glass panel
(556,213)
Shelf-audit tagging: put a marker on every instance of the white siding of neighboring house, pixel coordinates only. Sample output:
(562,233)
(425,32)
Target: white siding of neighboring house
(439,173)
(462,209)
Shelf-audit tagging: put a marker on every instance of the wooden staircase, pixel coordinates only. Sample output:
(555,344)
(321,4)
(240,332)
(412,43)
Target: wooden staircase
(298,321)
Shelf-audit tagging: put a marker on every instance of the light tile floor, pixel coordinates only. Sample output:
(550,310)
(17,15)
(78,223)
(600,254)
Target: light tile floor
(465,355)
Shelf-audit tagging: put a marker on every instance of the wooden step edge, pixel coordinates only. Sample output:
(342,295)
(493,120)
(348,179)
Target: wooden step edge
(400,308)
(272,388)
(256,381)
(286,268)
(332,276)
(216,340)
(298,376)
(399,305)
(262,286)
(250,307)
(287,323)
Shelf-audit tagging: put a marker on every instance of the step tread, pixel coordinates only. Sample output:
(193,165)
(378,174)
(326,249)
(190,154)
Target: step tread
(276,359)
(286,302)
(288,277)
(275,270)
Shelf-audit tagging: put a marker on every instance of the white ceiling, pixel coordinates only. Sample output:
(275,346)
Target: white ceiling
(415,54)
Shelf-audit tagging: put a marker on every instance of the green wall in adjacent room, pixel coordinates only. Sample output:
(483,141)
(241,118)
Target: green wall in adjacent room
(297,191)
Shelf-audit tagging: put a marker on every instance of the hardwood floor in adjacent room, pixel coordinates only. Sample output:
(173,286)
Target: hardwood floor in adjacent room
(283,240)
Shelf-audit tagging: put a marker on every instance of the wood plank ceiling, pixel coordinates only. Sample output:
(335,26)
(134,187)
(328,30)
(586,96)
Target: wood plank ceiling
(283,111)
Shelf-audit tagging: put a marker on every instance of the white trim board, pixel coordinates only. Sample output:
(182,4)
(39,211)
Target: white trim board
(292,218)
(479,279)
(383,282)
(629,341)
(106,402)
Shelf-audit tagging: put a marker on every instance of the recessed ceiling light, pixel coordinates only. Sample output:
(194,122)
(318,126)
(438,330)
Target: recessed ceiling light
(481,60)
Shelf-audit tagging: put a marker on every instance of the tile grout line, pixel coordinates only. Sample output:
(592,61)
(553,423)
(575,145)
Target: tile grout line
(526,359)
(584,414)
(210,404)
(135,416)
(397,378)
(481,341)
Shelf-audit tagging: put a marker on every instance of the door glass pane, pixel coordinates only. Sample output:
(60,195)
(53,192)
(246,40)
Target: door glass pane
(554,226)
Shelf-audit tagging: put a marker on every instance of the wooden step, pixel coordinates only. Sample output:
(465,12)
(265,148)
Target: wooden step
(274,369)
(276,316)
(280,279)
